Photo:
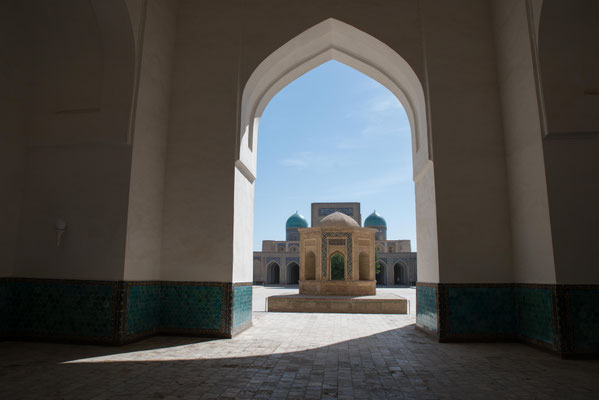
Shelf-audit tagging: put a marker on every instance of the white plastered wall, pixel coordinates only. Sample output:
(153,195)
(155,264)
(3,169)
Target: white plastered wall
(155,38)
(473,221)
(78,155)
(529,208)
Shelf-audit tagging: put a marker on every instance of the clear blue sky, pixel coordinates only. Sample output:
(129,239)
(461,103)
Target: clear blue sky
(334,134)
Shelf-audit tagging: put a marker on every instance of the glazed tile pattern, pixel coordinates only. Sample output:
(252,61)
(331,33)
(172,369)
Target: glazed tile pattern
(192,307)
(584,311)
(62,309)
(534,313)
(476,311)
(115,312)
(426,307)
(143,308)
(242,305)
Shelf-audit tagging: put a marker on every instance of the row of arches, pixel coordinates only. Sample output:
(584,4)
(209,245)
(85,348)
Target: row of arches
(273,273)
(400,273)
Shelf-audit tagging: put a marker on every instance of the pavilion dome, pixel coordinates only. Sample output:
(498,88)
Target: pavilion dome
(338,219)
(297,220)
(375,220)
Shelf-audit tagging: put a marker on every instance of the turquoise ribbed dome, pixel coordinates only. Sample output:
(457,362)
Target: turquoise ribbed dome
(297,220)
(375,220)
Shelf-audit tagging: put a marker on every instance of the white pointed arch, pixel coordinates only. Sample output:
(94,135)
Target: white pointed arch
(331,40)
(334,40)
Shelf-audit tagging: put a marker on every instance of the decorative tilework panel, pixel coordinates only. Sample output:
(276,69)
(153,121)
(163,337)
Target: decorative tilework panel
(47,308)
(426,306)
(584,308)
(481,311)
(143,308)
(325,252)
(533,307)
(242,305)
(191,307)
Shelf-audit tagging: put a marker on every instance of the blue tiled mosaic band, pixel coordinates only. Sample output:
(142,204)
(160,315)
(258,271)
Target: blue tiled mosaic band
(118,312)
(562,318)
(242,306)
(426,307)
(56,309)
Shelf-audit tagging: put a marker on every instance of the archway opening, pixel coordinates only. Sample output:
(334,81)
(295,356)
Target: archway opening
(293,273)
(326,41)
(273,274)
(337,267)
(399,274)
(381,273)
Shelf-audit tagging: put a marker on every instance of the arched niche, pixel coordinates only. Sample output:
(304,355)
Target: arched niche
(310,266)
(364,266)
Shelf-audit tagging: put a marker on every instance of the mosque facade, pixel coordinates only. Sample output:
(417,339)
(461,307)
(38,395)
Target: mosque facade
(279,260)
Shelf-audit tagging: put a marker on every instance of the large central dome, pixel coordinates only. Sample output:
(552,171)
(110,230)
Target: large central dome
(337,219)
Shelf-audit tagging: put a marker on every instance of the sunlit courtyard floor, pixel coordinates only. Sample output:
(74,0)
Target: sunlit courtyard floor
(289,355)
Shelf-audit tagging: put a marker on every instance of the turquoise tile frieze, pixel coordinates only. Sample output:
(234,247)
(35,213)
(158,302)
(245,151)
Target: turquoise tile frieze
(64,309)
(193,307)
(476,311)
(426,307)
(534,313)
(242,305)
(584,310)
(116,312)
(143,308)
(490,311)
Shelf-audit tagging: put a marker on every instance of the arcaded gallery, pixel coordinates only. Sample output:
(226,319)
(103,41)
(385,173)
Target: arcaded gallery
(129,148)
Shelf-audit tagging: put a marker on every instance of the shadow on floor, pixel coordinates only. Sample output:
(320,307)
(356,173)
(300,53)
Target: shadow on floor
(397,363)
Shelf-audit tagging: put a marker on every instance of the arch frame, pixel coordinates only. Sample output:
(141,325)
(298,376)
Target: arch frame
(328,40)
(288,271)
(404,270)
(268,275)
(385,268)
(331,39)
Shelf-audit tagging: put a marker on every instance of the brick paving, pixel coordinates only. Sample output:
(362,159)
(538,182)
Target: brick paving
(297,356)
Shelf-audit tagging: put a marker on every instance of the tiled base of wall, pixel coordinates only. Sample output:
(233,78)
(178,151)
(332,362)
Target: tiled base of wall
(560,318)
(111,312)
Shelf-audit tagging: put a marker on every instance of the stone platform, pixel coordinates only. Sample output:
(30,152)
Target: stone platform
(307,303)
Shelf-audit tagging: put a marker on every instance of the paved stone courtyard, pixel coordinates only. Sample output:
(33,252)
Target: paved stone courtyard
(296,356)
